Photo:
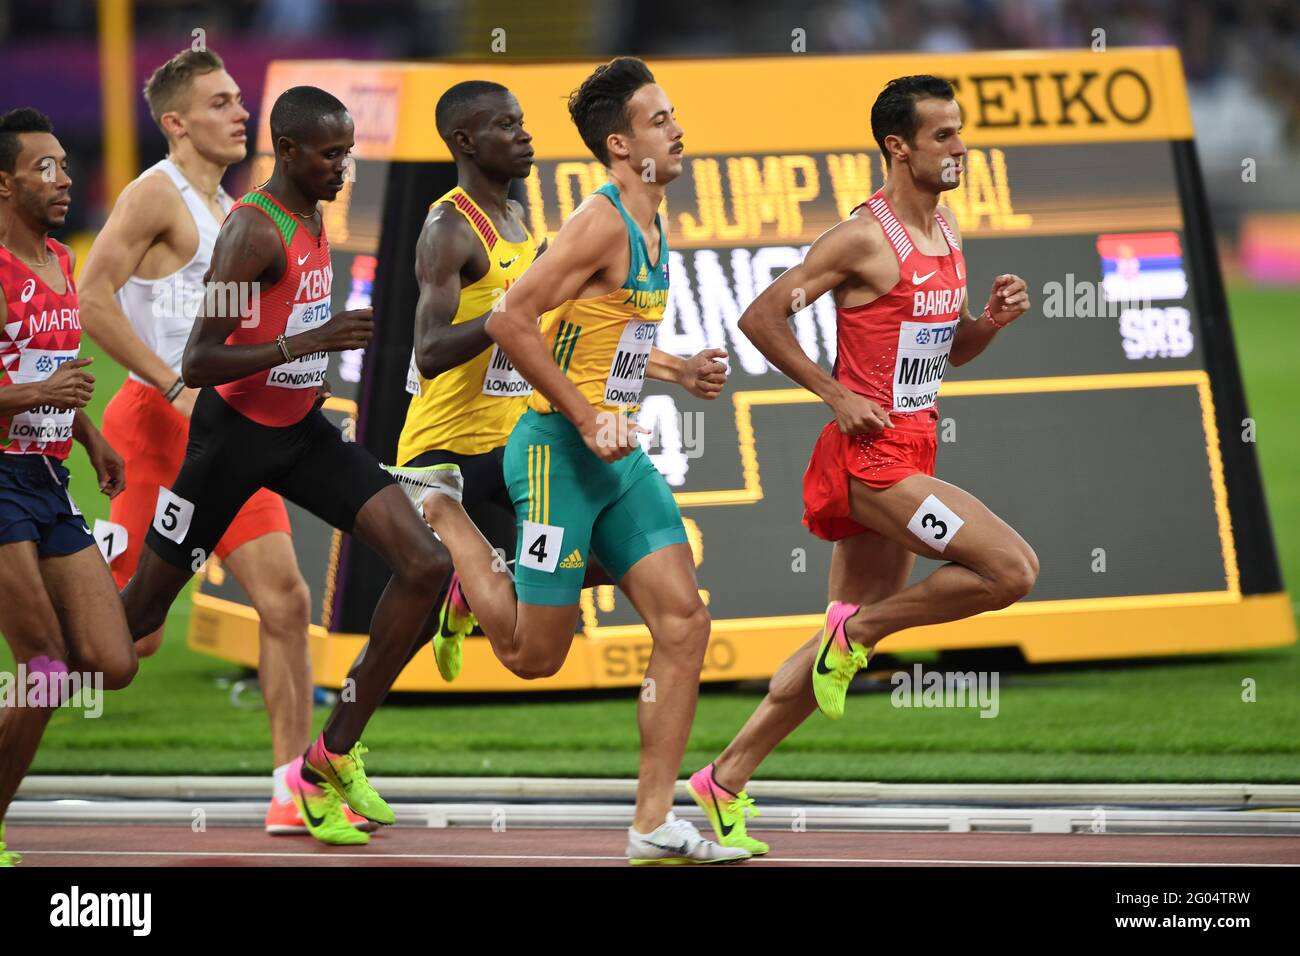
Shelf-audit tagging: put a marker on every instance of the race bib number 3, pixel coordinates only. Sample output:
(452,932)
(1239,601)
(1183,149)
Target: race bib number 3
(502,379)
(627,371)
(540,547)
(306,371)
(923,349)
(935,523)
(172,515)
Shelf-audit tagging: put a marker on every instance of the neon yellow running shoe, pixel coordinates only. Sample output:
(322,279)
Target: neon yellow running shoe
(347,775)
(7,857)
(725,811)
(455,621)
(838,660)
(321,811)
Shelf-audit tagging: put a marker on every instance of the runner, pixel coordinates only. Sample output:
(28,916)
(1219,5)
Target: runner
(897,273)
(59,611)
(578,478)
(141,288)
(256,424)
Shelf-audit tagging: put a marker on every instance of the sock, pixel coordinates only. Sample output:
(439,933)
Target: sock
(280,783)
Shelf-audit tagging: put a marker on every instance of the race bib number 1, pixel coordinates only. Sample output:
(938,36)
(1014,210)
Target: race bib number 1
(112,539)
(540,549)
(172,515)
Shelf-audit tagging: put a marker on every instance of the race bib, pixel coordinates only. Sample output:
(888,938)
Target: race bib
(923,349)
(172,516)
(627,371)
(112,539)
(412,377)
(306,371)
(502,379)
(45,424)
(540,547)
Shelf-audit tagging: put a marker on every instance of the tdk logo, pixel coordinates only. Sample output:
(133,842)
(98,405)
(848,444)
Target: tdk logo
(941,335)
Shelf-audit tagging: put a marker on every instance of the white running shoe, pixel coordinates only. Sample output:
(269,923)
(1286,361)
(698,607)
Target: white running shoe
(419,483)
(677,841)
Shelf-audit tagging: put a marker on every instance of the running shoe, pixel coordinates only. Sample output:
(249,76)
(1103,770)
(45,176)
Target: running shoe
(321,811)
(838,660)
(347,775)
(283,819)
(455,621)
(7,857)
(677,842)
(725,811)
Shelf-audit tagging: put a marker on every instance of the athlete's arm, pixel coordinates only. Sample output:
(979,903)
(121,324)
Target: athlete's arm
(446,246)
(1007,302)
(833,259)
(142,214)
(585,247)
(702,374)
(249,250)
(108,464)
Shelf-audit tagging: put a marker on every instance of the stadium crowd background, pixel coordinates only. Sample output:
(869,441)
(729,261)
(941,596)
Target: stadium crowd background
(1242,61)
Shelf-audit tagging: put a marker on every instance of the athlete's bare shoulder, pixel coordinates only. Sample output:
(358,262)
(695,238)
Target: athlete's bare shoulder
(151,202)
(448,244)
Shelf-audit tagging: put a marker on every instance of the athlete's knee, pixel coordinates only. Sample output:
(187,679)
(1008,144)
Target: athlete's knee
(685,635)
(285,608)
(535,668)
(1012,576)
(117,666)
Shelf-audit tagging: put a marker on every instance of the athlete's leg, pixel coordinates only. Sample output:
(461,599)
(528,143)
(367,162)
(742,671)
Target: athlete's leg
(32,629)
(267,569)
(864,569)
(151,592)
(990,567)
(531,640)
(94,625)
(663,589)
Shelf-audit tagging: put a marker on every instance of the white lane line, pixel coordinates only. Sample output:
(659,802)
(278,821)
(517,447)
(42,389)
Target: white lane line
(328,855)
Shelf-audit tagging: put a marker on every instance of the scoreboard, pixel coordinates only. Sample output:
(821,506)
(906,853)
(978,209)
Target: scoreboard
(1108,426)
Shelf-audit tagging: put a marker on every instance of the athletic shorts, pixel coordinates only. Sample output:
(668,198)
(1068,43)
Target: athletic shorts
(880,460)
(229,457)
(569,505)
(35,506)
(150,435)
(486,499)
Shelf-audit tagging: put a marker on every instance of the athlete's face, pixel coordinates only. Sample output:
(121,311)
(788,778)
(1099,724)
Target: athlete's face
(497,138)
(655,147)
(214,118)
(39,187)
(319,163)
(938,157)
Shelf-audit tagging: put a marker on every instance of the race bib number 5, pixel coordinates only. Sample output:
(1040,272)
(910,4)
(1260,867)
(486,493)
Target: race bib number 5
(540,547)
(172,516)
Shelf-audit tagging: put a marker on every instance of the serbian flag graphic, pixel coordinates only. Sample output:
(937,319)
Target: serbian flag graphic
(1142,266)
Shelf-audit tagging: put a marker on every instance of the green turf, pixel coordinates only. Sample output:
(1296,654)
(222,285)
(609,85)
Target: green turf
(1181,720)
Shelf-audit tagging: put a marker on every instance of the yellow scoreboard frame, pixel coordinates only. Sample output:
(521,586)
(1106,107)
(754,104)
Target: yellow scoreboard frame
(800,104)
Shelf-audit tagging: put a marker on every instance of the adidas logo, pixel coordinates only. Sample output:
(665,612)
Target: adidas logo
(642,276)
(574,560)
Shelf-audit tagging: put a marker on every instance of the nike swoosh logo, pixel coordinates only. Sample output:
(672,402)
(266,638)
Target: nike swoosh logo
(821,661)
(306,809)
(917,280)
(670,849)
(507,265)
(308,256)
(726,827)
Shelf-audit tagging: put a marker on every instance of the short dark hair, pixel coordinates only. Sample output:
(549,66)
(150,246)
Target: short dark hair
(23,120)
(454,106)
(894,112)
(170,82)
(599,105)
(299,109)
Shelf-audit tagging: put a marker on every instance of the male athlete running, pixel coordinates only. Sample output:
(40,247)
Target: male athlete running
(256,424)
(578,478)
(897,273)
(58,605)
(141,287)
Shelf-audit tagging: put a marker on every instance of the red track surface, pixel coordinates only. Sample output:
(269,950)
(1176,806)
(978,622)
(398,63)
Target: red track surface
(139,845)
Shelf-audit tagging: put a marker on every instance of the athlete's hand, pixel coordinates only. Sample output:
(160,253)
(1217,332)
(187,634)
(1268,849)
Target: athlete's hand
(184,402)
(1009,299)
(611,436)
(69,386)
(703,375)
(323,393)
(347,330)
(858,415)
(108,465)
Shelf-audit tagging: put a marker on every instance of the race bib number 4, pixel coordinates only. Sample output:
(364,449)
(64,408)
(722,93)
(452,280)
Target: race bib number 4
(306,371)
(627,371)
(502,379)
(923,349)
(540,547)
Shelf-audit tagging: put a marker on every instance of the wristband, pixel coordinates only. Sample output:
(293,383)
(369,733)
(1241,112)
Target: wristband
(177,387)
(989,315)
(284,347)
